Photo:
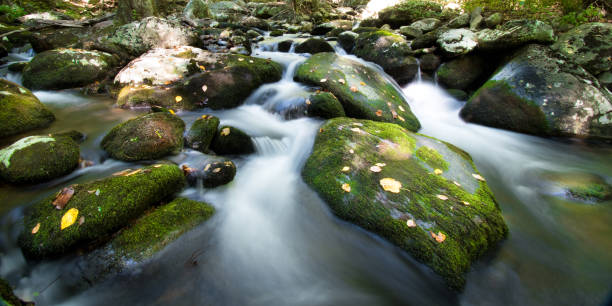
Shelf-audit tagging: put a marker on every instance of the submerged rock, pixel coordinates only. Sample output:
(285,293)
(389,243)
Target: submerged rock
(325,105)
(514,34)
(96,210)
(231,140)
(20,110)
(588,45)
(580,186)
(218,173)
(202,132)
(537,93)
(363,91)
(390,51)
(422,194)
(314,45)
(67,68)
(38,158)
(147,137)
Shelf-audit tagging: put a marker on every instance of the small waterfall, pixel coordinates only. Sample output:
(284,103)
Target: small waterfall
(270,146)
(419,76)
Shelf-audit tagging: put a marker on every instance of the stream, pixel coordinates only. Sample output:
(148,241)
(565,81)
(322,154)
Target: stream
(274,242)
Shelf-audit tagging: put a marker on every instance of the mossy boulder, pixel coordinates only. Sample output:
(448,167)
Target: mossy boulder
(218,173)
(409,11)
(363,91)
(334,25)
(325,105)
(456,42)
(20,110)
(588,45)
(7,297)
(577,186)
(314,45)
(146,137)
(347,40)
(38,158)
(460,21)
(537,93)
(103,207)
(390,51)
(231,140)
(202,132)
(49,39)
(410,32)
(514,34)
(463,72)
(227,11)
(155,230)
(422,194)
(196,9)
(67,68)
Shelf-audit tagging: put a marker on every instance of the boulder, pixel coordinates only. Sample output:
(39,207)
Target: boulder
(426,40)
(460,21)
(96,210)
(456,42)
(362,90)
(514,34)
(422,194)
(254,22)
(390,51)
(134,10)
(218,173)
(430,62)
(347,40)
(67,68)
(231,140)
(146,137)
(52,38)
(588,45)
(285,45)
(538,93)
(202,132)
(463,72)
(196,9)
(20,110)
(227,11)
(426,25)
(410,32)
(37,159)
(409,11)
(324,28)
(314,45)
(270,9)
(324,105)
(494,20)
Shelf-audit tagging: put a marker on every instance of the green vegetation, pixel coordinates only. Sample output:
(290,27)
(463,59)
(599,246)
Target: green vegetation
(11,12)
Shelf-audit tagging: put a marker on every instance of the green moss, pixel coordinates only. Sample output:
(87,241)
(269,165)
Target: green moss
(592,191)
(325,105)
(202,132)
(470,229)
(432,158)
(231,140)
(20,110)
(104,206)
(152,232)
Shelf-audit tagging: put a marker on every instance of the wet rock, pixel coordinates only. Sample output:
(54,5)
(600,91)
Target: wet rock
(285,45)
(430,62)
(362,90)
(347,40)
(324,28)
(196,9)
(314,45)
(456,42)
(463,72)
(426,40)
(410,32)
(20,110)
(21,36)
(8,297)
(324,105)
(460,21)
(75,135)
(367,171)
(588,45)
(538,93)
(390,51)
(476,22)
(276,33)
(514,34)
(202,132)
(17,67)
(37,159)
(103,207)
(218,174)
(227,11)
(605,79)
(231,140)
(426,25)
(494,20)
(67,68)
(408,12)
(146,137)
(458,94)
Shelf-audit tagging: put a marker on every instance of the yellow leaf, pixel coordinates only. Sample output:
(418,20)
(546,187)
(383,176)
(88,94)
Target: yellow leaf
(478,177)
(442,197)
(216,170)
(346,187)
(466,203)
(457,183)
(401,118)
(69,218)
(440,237)
(391,185)
(171,111)
(381,164)
(36,228)
(323,80)
(362,83)
(346,169)
(157,166)
(401,108)
(178,99)
(207,167)
(411,223)
(225,131)
(202,67)
(308,102)
(437,171)
(375,169)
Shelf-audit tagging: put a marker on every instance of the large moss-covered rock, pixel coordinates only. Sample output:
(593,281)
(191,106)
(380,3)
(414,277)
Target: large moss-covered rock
(325,105)
(20,110)
(408,12)
(390,51)
(67,68)
(231,140)
(463,72)
(427,24)
(146,137)
(218,173)
(514,34)
(314,45)
(422,194)
(49,39)
(588,45)
(99,209)
(202,132)
(347,40)
(38,158)
(330,26)
(363,91)
(537,93)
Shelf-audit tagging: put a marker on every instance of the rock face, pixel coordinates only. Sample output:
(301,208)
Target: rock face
(38,158)
(67,68)
(314,45)
(146,137)
(456,42)
(141,36)
(363,92)
(514,34)
(408,12)
(537,93)
(231,140)
(588,45)
(390,51)
(202,132)
(20,110)
(422,194)
(98,209)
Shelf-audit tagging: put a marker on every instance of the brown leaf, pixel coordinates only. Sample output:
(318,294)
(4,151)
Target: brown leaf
(35,228)
(440,237)
(216,170)
(133,172)
(123,172)
(379,113)
(63,197)
(81,220)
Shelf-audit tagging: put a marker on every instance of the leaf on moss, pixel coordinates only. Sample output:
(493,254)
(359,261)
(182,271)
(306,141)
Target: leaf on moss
(346,187)
(63,197)
(204,88)
(178,99)
(391,185)
(401,108)
(69,218)
(466,203)
(354,89)
(379,113)
(35,229)
(225,131)
(346,169)
(375,169)
(411,223)
(442,197)
(478,177)
(457,183)
(216,170)
(381,164)
(440,237)
(341,81)
(362,83)
(323,80)
(437,171)
(401,118)
(81,220)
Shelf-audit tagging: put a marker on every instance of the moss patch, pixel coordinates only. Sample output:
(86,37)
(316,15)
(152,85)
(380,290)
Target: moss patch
(20,110)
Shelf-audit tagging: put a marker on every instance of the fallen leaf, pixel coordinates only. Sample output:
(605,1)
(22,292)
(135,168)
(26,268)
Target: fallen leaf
(401,108)
(157,166)
(440,237)
(216,170)
(346,187)
(187,170)
(225,131)
(123,172)
(178,99)
(133,172)
(394,113)
(391,185)
(251,61)
(202,67)
(341,81)
(356,130)
(351,151)
(69,218)
(171,111)
(362,83)
(323,80)
(204,88)
(308,102)
(81,220)
(63,197)
(375,169)
(35,228)
(346,169)
(457,183)
(411,223)
(442,197)
(240,59)
(207,167)
(379,113)
(478,177)
(437,171)
(466,203)
(401,118)
(381,164)
(354,89)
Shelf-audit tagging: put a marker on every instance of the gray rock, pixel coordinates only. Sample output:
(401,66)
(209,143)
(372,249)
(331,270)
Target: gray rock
(410,32)
(459,21)
(589,45)
(476,22)
(494,20)
(427,24)
(456,42)
(515,33)
(461,73)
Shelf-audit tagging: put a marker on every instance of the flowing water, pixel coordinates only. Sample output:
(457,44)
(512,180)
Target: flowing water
(274,242)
